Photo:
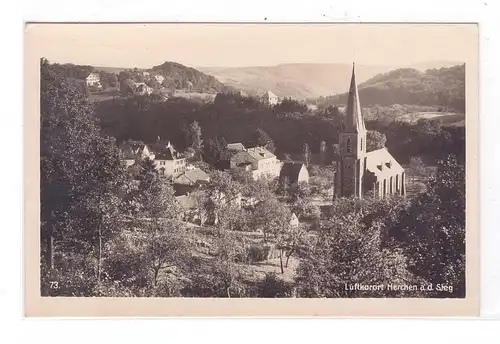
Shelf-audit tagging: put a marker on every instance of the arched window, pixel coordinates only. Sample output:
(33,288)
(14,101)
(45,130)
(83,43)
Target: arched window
(348,145)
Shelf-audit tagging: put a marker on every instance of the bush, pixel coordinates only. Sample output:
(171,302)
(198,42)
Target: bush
(257,253)
(273,286)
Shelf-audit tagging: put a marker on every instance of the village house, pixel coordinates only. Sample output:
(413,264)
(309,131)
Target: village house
(142,89)
(190,209)
(270,98)
(93,80)
(235,147)
(294,173)
(159,78)
(257,160)
(168,161)
(134,155)
(190,180)
(359,172)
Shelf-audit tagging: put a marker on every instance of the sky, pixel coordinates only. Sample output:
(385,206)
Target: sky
(235,45)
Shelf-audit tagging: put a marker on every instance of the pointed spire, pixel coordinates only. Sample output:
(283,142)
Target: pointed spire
(354,118)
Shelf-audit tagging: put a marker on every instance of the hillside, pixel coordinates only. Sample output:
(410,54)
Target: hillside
(298,80)
(303,80)
(183,77)
(177,76)
(435,87)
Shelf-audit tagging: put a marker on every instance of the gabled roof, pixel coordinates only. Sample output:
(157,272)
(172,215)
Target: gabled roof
(92,73)
(194,176)
(167,152)
(270,94)
(291,171)
(236,146)
(260,153)
(131,152)
(382,164)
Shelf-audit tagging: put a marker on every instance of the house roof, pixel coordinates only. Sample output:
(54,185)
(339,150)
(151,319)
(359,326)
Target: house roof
(92,73)
(130,152)
(236,146)
(260,153)
(194,176)
(166,152)
(270,94)
(382,164)
(291,171)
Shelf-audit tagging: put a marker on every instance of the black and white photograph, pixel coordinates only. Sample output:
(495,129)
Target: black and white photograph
(297,161)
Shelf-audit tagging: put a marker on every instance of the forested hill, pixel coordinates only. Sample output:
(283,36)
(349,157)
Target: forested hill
(435,87)
(177,76)
(183,77)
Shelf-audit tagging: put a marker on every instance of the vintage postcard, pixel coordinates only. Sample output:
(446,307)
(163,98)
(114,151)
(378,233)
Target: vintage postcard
(205,169)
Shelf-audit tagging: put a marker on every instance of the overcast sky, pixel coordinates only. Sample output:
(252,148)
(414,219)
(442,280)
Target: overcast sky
(227,45)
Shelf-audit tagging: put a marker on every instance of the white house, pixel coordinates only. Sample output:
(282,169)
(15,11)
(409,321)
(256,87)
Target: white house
(258,160)
(270,98)
(142,88)
(169,161)
(159,78)
(93,79)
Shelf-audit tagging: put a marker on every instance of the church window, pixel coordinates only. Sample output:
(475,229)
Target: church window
(348,145)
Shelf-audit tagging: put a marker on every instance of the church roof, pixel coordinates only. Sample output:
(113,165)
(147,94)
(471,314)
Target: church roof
(382,164)
(353,116)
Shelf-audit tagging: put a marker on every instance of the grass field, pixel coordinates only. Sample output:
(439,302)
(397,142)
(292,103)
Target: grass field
(448,118)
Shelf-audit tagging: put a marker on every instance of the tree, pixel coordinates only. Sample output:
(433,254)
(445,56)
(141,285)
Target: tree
(215,151)
(195,139)
(127,87)
(223,200)
(346,253)
(375,140)
(273,218)
(432,230)
(81,178)
(262,139)
(161,236)
(418,168)
(307,153)
(322,152)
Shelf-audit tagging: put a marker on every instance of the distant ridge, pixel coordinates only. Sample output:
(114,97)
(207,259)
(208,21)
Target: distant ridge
(304,80)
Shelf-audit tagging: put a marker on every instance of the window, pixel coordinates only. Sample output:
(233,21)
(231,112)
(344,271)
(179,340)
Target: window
(348,145)
(361,145)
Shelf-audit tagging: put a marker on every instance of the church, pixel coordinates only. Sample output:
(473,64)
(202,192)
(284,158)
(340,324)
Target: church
(361,173)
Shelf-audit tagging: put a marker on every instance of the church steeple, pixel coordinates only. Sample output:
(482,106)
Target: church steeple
(352,143)
(354,119)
